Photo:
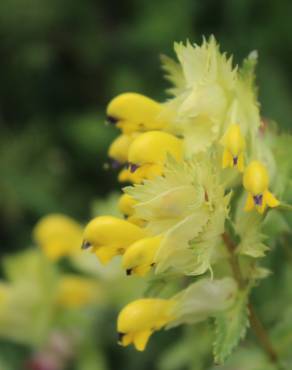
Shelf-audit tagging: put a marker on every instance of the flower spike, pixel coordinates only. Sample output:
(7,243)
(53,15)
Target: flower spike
(256,182)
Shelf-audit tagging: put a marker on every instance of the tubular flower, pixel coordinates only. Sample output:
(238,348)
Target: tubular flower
(58,236)
(234,145)
(75,291)
(256,182)
(139,257)
(133,112)
(109,236)
(126,206)
(118,150)
(149,151)
(140,318)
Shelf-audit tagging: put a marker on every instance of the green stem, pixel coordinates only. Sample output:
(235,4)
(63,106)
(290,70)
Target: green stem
(285,207)
(254,320)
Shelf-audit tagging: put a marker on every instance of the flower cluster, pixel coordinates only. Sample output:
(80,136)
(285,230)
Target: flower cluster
(192,162)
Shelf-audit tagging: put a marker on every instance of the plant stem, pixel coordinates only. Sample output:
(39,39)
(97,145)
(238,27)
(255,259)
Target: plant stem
(254,320)
(233,260)
(262,335)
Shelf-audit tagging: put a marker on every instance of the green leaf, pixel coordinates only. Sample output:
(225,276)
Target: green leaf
(248,227)
(230,328)
(285,207)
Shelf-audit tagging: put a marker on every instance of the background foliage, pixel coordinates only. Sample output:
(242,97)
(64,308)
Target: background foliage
(62,61)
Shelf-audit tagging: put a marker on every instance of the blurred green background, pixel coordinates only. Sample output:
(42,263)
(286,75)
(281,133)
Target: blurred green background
(62,61)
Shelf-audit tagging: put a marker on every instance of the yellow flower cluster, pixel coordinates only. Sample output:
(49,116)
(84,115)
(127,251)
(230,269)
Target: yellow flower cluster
(178,156)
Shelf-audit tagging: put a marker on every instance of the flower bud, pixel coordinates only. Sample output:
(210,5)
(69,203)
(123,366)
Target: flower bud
(140,318)
(133,112)
(109,236)
(58,236)
(76,291)
(256,182)
(234,145)
(139,257)
(149,151)
(118,150)
(126,206)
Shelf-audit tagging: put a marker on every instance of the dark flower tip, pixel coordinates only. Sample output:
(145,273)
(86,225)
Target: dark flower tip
(112,120)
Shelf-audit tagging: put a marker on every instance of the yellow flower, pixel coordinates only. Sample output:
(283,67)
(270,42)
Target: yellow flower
(149,151)
(118,150)
(139,257)
(133,112)
(76,291)
(140,318)
(234,145)
(58,236)
(127,176)
(109,236)
(126,206)
(256,182)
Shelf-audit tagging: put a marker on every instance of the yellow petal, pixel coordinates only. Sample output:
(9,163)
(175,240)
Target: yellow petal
(136,221)
(249,205)
(256,178)
(261,209)
(142,270)
(127,339)
(270,199)
(153,147)
(227,160)
(126,204)
(141,338)
(105,254)
(240,163)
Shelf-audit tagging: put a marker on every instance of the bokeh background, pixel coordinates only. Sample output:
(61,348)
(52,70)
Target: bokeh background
(63,60)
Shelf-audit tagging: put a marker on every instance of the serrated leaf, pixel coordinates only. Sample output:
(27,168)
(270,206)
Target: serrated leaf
(247,71)
(173,73)
(230,328)
(248,227)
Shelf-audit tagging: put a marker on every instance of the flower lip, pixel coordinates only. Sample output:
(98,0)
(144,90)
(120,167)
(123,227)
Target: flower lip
(129,272)
(85,245)
(112,120)
(235,161)
(120,337)
(115,164)
(258,199)
(132,167)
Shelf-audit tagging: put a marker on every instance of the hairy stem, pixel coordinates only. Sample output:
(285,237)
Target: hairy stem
(255,322)
(262,335)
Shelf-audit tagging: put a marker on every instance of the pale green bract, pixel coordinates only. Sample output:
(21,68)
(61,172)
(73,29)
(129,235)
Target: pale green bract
(188,207)
(248,227)
(210,95)
(204,298)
